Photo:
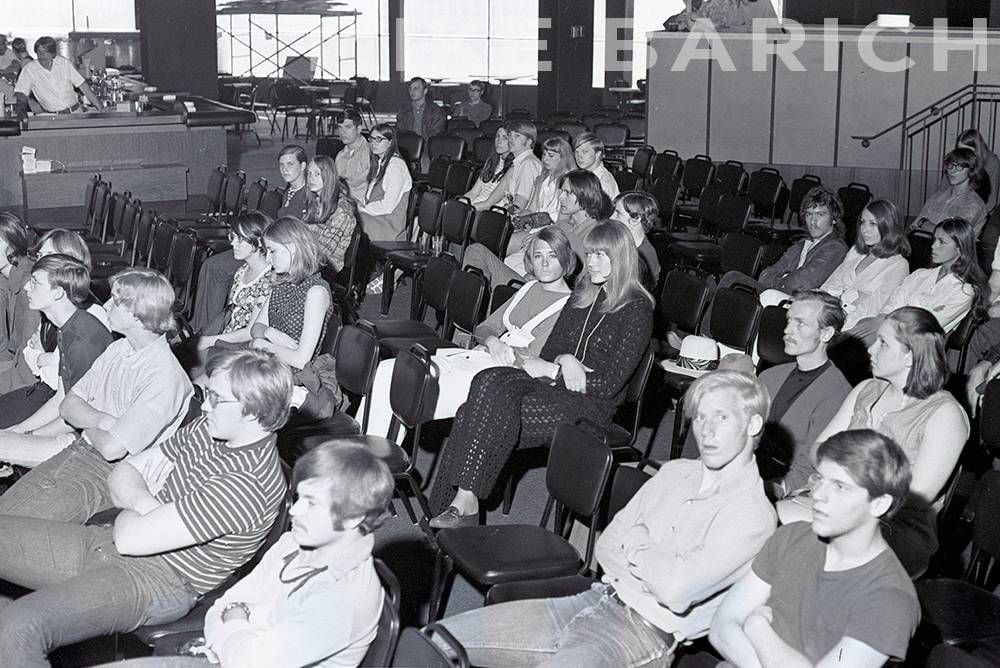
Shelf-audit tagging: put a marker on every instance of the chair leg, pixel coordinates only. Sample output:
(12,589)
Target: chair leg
(444,567)
(508,494)
(680,432)
(388,286)
(406,503)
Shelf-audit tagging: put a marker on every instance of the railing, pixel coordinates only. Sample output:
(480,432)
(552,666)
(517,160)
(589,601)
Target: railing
(930,133)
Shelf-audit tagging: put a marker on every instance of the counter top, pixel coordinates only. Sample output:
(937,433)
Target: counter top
(102,119)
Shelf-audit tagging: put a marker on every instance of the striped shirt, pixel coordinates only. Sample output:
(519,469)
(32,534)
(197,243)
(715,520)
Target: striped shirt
(228,498)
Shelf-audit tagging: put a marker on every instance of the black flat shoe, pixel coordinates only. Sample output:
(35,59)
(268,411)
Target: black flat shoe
(452,519)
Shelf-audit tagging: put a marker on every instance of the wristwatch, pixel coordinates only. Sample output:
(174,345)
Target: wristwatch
(232,606)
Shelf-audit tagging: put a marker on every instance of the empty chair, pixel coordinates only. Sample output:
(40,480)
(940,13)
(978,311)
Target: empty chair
(460,123)
(469,136)
(855,197)
(490,126)
(731,176)
(615,137)
(411,148)
(493,230)
(271,202)
(459,179)
(636,128)
(698,173)
(572,128)
(419,648)
(255,194)
(766,190)
(450,146)
(667,163)
(593,120)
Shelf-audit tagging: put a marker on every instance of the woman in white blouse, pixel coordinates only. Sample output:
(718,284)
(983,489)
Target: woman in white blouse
(485,191)
(874,267)
(383,213)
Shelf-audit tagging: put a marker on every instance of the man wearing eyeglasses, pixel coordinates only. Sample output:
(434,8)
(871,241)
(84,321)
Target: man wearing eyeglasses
(135,394)
(829,593)
(475,108)
(194,508)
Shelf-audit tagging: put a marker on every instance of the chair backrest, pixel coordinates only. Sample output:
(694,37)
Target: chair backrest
(731,176)
(429,212)
(469,135)
(456,223)
(143,237)
(572,128)
(764,191)
(920,249)
(771,336)
(614,135)
(578,469)
(549,133)
(735,317)
(129,225)
(232,195)
(732,213)
(642,161)
(961,337)
(698,173)
(159,250)
(329,146)
(214,189)
(625,483)
(448,145)
(387,634)
(88,198)
(519,114)
(854,197)
(99,216)
(490,126)
(502,294)
(356,362)
(270,203)
(417,647)
(413,390)
(800,188)
(466,301)
(684,299)
(438,172)
(180,267)
(459,179)
(482,149)
(460,123)
(436,282)
(743,253)
(667,163)
(255,194)
(982,569)
(493,230)
(708,204)
(411,147)
(557,117)
(989,418)
(636,126)
(116,214)
(593,120)
(665,191)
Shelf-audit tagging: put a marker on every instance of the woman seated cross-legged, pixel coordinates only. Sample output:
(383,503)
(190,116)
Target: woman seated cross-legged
(516,331)
(905,402)
(583,370)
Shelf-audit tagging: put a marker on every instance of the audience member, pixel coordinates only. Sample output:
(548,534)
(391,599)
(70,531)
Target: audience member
(517,330)
(475,108)
(58,288)
(383,212)
(686,536)
(193,510)
(905,402)
(638,212)
(582,205)
(486,190)
(810,261)
(830,592)
(543,205)
(20,322)
(589,151)
(420,114)
(583,370)
(215,278)
(874,266)
(135,395)
(806,393)
(354,160)
(949,289)
(525,168)
(331,213)
(987,164)
(958,198)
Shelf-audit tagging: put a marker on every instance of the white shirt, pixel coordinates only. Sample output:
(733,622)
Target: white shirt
(864,293)
(54,89)
(607,179)
(396,183)
(523,172)
(949,299)
(6,58)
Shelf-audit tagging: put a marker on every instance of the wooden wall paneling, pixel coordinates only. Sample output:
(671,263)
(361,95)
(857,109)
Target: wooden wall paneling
(871,101)
(677,102)
(741,107)
(805,110)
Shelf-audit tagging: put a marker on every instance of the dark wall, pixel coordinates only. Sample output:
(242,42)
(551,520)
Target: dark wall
(178,45)
(568,85)
(863,12)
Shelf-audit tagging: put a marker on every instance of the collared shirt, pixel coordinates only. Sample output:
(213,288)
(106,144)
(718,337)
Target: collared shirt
(327,621)
(942,204)
(146,390)
(948,298)
(808,246)
(353,163)
(522,175)
(607,179)
(689,544)
(54,89)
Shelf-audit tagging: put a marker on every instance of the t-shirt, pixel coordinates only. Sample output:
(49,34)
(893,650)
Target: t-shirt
(228,498)
(874,603)
(82,339)
(54,89)
(796,383)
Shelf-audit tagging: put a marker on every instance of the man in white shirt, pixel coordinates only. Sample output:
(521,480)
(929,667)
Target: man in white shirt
(49,83)
(589,152)
(526,167)
(354,160)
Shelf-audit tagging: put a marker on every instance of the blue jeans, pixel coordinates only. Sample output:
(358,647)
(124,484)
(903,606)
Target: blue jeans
(82,588)
(71,486)
(588,629)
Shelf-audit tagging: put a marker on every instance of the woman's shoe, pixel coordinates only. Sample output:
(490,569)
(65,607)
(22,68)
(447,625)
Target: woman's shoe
(453,518)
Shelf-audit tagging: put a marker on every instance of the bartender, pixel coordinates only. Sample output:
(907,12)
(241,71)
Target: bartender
(49,83)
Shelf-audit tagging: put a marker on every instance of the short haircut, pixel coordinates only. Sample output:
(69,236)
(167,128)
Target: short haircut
(293,233)
(892,236)
(15,234)
(919,332)
(296,150)
(68,273)
(831,312)
(640,206)
(526,128)
(963,157)
(420,80)
(260,381)
(360,484)
(873,461)
(586,187)
(589,139)
(46,44)
(148,295)
(351,114)
(558,242)
(821,196)
(754,397)
(66,242)
(478,83)
(250,226)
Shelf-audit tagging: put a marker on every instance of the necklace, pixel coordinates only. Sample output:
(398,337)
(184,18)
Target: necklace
(290,193)
(577,354)
(298,580)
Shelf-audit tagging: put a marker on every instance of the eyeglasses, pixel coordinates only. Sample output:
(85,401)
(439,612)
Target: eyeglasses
(376,140)
(816,481)
(213,398)
(954,167)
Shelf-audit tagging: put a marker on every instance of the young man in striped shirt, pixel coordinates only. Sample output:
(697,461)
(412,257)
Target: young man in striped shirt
(194,509)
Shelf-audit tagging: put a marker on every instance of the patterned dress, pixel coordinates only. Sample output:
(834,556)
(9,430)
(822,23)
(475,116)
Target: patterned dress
(246,300)
(286,310)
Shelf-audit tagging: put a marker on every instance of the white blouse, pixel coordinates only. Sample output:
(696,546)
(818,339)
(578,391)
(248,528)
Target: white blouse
(949,299)
(864,293)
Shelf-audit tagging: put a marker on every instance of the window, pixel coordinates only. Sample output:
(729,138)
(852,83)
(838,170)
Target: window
(471,39)
(648,16)
(57,18)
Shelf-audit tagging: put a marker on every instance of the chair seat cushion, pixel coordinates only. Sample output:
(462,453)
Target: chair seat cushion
(699,250)
(677,382)
(508,553)
(618,436)
(381,248)
(338,424)
(393,346)
(401,329)
(961,611)
(408,260)
(568,585)
(392,454)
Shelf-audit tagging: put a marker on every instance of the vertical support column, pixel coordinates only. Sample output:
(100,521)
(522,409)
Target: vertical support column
(396,37)
(565,72)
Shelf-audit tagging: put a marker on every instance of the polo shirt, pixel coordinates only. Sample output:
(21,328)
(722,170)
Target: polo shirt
(54,89)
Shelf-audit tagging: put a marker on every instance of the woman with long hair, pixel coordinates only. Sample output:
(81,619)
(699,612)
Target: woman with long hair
(949,290)
(874,266)
(988,166)
(583,370)
(906,402)
(494,169)
(557,160)
(15,270)
(330,210)
(958,197)
(383,213)
(638,211)
(515,331)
